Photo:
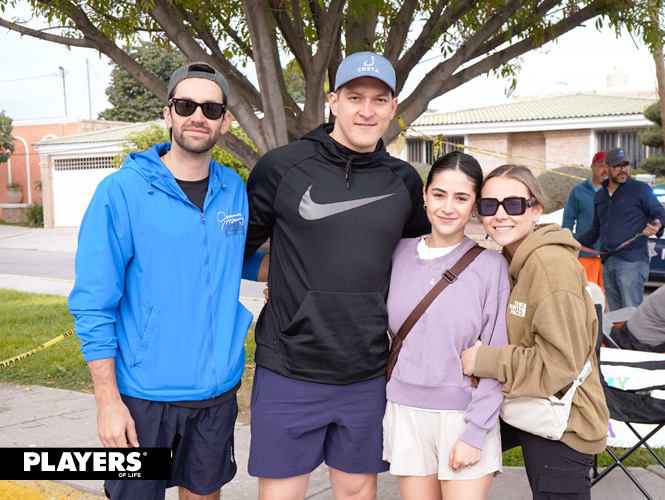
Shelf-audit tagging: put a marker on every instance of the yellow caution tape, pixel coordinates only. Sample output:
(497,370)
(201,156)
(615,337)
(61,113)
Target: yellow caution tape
(437,148)
(11,361)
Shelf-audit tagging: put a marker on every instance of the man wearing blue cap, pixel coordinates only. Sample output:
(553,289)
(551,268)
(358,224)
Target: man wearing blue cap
(623,208)
(335,204)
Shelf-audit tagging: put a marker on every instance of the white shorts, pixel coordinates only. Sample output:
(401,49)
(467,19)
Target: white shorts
(418,443)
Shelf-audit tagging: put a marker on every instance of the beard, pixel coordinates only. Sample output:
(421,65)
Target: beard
(616,180)
(192,146)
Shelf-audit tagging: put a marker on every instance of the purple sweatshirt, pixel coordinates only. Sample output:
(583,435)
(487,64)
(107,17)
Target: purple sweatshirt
(428,373)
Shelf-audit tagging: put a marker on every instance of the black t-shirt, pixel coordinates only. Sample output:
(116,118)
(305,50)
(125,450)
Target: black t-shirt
(195,190)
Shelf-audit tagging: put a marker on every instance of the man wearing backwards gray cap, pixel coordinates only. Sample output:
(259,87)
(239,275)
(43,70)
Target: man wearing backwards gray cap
(335,204)
(158,272)
(623,207)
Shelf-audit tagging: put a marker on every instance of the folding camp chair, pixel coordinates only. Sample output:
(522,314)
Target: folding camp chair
(640,401)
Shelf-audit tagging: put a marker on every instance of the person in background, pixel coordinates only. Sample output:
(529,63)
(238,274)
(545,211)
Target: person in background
(552,331)
(156,296)
(623,208)
(578,214)
(440,433)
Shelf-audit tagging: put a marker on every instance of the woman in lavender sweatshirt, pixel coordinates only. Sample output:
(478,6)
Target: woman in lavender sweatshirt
(441,432)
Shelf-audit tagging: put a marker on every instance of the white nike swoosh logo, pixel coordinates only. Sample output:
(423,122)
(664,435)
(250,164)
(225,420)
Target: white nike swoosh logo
(310,210)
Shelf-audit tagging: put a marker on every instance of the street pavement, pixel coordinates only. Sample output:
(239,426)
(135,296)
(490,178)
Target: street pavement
(34,416)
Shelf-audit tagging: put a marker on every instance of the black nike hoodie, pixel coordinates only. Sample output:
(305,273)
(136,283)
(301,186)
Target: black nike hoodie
(334,217)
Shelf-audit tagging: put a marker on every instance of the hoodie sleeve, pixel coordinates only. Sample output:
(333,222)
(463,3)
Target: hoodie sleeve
(417,224)
(570,211)
(591,235)
(105,246)
(556,358)
(262,188)
(483,412)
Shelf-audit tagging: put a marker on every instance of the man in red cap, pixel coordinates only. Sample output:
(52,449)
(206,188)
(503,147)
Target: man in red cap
(578,214)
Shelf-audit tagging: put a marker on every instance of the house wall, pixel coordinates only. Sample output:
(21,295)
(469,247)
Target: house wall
(562,146)
(31,132)
(568,146)
(491,142)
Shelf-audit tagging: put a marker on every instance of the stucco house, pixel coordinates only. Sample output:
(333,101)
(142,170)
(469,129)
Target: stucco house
(567,129)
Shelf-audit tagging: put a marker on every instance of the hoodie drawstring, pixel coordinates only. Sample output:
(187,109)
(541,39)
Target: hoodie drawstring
(347,170)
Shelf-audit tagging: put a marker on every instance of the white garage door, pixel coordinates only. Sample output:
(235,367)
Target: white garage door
(74,183)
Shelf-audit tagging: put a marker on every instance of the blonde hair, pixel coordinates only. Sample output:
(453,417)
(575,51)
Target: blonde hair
(522,174)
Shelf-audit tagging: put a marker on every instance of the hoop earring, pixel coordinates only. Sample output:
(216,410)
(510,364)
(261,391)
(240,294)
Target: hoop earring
(425,206)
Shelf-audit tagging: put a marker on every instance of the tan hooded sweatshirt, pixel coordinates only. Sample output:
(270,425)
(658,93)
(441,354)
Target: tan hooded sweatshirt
(552,331)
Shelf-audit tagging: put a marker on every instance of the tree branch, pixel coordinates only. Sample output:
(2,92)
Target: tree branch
(399,31)
(293,35)
(240,95)
(436,83)
(436,26)
(238,148)
(274,126)
(501,38)
(62,40)
(361,30)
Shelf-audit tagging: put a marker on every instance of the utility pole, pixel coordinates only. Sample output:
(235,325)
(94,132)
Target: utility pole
(87,70)
(64,91)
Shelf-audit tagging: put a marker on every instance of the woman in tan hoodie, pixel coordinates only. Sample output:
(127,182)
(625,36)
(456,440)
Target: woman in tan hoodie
(552,331)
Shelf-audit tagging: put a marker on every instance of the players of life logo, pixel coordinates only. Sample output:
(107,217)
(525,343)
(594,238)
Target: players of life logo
(232,225)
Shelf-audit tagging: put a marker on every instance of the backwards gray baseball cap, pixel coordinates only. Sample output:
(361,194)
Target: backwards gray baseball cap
(198,70)
(365,64)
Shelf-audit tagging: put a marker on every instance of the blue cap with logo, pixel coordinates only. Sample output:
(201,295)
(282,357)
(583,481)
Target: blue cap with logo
(365,64)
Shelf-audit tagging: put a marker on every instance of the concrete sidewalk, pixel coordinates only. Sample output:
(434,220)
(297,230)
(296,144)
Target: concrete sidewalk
(33,416)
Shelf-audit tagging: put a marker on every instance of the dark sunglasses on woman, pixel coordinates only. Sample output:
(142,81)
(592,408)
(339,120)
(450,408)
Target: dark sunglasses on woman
(513,205)
(185,107)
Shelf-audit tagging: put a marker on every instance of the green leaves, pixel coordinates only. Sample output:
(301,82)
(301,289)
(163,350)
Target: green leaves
(6,139)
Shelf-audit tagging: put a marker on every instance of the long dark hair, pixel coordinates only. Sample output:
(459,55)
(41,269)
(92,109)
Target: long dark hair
(456,160)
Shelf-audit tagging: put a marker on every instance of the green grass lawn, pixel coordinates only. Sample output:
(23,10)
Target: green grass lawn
(28,320)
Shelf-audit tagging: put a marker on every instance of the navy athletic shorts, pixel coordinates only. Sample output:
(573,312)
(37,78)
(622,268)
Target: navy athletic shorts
(201,440)
(296,425)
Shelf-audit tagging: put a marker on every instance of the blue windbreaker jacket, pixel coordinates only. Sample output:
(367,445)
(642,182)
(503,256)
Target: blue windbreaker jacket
(157,281)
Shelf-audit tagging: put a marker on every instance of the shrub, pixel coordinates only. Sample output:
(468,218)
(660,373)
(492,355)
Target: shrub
(34,215)
(558,186)
(14,185)
(654,164)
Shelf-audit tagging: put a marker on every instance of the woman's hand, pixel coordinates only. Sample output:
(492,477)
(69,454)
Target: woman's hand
(463,455)
(468,358)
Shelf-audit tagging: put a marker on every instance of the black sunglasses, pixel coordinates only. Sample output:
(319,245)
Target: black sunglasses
(185,107)
(513,205)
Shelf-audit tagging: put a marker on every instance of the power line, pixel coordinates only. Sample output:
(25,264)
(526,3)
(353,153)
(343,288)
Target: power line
(28,78)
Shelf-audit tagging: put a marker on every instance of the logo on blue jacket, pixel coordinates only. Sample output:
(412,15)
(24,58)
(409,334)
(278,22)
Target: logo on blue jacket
(233,225)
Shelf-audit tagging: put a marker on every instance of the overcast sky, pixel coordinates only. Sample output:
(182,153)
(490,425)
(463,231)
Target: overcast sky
(31,88)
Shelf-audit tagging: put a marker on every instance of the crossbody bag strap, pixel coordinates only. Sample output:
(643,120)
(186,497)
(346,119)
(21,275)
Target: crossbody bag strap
(449,276)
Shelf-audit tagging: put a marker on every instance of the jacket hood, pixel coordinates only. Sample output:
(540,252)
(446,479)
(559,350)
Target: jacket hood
(546,235)
(340,155)
(149,165)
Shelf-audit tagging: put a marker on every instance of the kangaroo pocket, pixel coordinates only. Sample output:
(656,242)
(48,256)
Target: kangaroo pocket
(336,338)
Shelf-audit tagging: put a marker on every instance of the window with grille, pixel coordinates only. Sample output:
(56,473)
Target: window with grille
(83,163)
(422,151)
(628,140)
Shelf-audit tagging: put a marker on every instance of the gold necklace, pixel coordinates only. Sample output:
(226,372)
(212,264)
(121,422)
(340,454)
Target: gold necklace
(433,280)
